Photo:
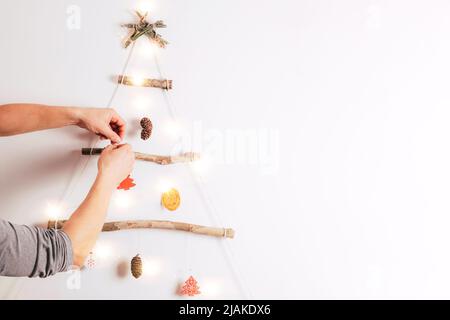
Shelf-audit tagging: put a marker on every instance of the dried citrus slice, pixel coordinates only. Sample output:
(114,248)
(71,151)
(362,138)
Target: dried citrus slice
(171,199)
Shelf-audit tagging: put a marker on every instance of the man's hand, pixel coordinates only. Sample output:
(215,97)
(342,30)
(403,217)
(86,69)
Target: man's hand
(116,163)
(105,123)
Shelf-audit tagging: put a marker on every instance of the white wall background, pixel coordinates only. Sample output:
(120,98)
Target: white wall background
(356,93)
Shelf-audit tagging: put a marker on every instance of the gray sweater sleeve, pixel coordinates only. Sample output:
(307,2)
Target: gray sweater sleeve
(27,251)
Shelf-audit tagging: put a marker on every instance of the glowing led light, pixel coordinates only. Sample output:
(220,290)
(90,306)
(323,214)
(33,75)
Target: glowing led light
(210,287)
(141,103)
(123,200)
(164,186)
(144,7)
(203,165)
(147,48)
(54,210)
(151,267)
(102,250)
(137,80)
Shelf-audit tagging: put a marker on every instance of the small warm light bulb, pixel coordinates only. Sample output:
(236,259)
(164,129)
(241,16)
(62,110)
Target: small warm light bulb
(210,287)
(164,186)
(141,103)
(147,48)
(151,267)
(173,128)
(123,200)
(137,80)
(144,7)
(102,250)
(202,165)
(54,210)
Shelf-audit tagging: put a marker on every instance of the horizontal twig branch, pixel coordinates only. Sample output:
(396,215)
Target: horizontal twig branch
(156,224)
(162,160)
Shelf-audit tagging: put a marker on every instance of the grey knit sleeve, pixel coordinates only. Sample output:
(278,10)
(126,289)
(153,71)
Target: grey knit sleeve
(27,251)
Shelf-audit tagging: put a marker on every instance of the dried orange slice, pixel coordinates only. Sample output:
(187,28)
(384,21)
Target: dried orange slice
(171,199)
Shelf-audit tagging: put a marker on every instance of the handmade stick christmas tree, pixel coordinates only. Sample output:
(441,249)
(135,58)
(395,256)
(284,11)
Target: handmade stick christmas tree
(171,198)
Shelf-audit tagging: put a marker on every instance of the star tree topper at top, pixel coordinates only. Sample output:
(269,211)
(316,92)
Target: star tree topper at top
(143,27)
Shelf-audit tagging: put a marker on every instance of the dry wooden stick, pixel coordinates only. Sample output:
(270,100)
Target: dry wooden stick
(153,83)
(156,224)
(162,160)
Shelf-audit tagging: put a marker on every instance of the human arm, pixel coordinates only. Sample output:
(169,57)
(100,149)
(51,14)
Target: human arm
(21,118)
(29,251)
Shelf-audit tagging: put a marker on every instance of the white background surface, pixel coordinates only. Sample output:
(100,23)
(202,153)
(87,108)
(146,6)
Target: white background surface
(356,93)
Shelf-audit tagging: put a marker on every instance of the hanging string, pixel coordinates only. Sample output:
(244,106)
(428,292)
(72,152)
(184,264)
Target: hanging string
(213,213)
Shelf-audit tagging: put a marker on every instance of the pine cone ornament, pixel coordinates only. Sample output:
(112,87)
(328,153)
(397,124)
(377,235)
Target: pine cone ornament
(147,128)
(146,123)
(136,266)
(145,134)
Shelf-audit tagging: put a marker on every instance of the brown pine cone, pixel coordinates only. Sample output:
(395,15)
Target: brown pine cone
(145,134)
(146,123)
(136,266)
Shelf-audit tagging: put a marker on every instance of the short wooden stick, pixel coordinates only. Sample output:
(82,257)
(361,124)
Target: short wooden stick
(156,224)
(162,160)
(151,83)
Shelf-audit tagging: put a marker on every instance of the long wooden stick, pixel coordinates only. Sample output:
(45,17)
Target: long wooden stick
(156,224)
(162,160)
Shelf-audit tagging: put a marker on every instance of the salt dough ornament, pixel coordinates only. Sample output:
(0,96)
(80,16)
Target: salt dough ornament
(190,288)
(136,266)
(171,199)
(126,184)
